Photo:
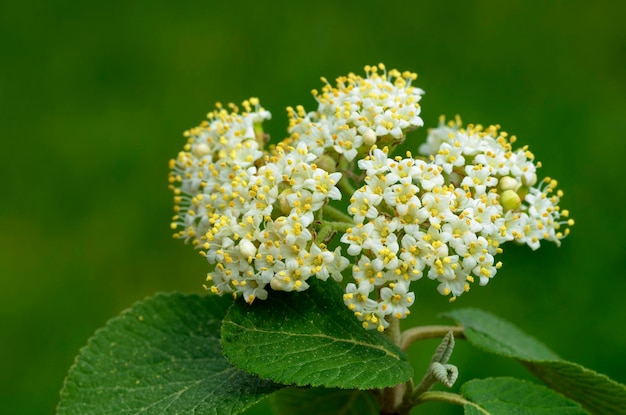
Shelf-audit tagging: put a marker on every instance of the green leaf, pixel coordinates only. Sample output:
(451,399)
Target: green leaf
(505,396)
(311,338)
(321,401)
(162,356)
(498,336)
(597,393)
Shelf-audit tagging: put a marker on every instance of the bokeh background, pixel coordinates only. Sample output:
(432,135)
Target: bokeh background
(94,97)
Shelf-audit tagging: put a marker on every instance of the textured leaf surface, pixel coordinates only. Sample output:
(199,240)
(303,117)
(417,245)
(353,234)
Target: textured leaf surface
(505,396)
(162,356)
(498,336)
(320,401)
(311,338)
(596,392)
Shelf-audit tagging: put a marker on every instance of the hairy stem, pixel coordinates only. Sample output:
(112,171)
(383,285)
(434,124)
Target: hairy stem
(338,215)
(393,331)
(345,186)
(448,397)
(328,230)
(392,397)
(414,334)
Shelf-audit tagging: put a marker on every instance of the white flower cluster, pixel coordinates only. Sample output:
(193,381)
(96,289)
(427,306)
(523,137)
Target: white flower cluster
(484,161)
(252,212)
(358,113)
(265,217)
(445,217)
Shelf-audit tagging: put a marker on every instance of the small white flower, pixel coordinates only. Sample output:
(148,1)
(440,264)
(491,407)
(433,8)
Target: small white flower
(323,185)
(366,270)
(412,256)
(430,176)
(346,141)
(356,236)
(376,162)
(402,170)
(387,123)
(402,197)
(436,207)
(480,178)
(450,156)
(396,299)
(363,204)
(385,251)
(357,298)
(334,267)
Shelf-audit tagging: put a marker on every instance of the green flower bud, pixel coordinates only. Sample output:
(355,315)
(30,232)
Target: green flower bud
(283,202)
(327,163)
(508,183)
(510,200)
(369,138)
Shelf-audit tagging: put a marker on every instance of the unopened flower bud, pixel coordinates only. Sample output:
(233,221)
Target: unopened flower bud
(285,208)
(277,284)
(327,163)
(200,150)
(247,248)
(510,200)
(369,138)
(508,183)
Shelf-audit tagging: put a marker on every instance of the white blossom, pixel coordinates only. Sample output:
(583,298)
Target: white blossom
(265,215)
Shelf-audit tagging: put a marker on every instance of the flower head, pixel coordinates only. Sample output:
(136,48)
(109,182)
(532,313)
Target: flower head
(358,112)
(252,212)
(265,217)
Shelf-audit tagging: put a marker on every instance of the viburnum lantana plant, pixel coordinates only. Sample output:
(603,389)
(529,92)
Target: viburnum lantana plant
(320,241)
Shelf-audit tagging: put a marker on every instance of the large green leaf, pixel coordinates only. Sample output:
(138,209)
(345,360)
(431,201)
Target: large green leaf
(505,396)
(321,401)
(311,338)
(162,356)
(596,392)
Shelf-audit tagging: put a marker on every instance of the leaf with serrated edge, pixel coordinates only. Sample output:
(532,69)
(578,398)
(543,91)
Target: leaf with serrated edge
(596,392)
(311,338)
(162,356)
(504,396)
(321,401)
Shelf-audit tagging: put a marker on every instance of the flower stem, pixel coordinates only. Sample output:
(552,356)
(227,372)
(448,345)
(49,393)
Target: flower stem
(328,230)
(393,332)
(392,397)
(336,214)
(345,186)
(448,397)
(414,334)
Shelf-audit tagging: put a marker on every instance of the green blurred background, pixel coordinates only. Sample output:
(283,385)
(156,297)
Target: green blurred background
(94,97)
